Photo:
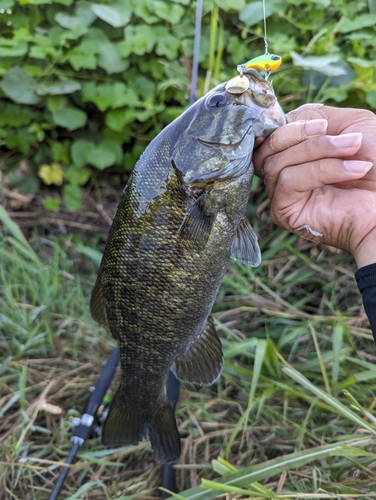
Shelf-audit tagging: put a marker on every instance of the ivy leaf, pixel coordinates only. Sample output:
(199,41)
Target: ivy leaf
(168,11)
(64,86)
(227,5)
(15,116)
(253,12)
(70,118)
(109,95)
(51,174)
(77,177)
(78,151)
(362,21)
(141,10)
(6,4)
(115,148)
(12,48)
(51,204)
(328,65)
(167,45)
(116,120)
(108,57)
(72,196)
(101,157)
(84,16)
(20,86)
(84,55)
(117,14)
(137,40)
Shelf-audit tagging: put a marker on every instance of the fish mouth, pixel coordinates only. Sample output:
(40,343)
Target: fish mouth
(260,96)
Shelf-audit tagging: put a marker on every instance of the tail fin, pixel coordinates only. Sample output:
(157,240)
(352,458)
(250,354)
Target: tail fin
(127,426)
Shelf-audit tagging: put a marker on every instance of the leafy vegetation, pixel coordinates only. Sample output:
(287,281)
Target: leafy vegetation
(85,86)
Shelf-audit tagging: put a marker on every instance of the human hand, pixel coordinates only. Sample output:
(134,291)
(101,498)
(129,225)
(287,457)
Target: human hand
(317,172)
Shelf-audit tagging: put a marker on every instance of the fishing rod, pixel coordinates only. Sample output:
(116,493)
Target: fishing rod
(89,420)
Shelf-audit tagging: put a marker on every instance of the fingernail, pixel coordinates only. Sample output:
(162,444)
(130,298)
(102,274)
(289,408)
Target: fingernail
(346,140)
(357,166)
(316,127)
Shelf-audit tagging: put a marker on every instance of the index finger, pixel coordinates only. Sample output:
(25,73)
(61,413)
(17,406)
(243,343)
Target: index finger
(285,137)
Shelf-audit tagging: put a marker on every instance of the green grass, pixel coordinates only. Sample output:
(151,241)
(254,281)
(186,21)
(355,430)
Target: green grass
(290,417)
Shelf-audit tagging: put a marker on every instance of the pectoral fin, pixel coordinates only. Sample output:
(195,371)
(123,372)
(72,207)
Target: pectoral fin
(203,362)
(198,223)
(245,246)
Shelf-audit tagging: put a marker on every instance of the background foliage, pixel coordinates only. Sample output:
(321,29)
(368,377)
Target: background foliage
(85,86)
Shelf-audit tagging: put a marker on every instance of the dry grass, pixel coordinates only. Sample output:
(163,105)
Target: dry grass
(295,336)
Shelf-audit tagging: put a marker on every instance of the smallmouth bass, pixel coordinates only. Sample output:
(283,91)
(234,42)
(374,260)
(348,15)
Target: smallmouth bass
(179,220)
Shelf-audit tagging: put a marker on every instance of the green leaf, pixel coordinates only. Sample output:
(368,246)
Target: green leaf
(138,40)
(15,116)
(72,196)
(51,204)
(108,57)
(20,87)
(76,176)
(117,14)
(83,56)
(253,12)
(101,157)
(371,98)
(167,45)
(109,95)
(6,4)
(170,12)
(64,86)
(60,151)
(328,65)
(227,5)
(54,103)
(363,21)
(372,6)
(84,16)
(70,118)
(12,48)
(78,151)
(114,147)
(117,119)
(140,9)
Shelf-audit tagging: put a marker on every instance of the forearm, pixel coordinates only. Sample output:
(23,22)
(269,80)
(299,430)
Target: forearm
(366,279)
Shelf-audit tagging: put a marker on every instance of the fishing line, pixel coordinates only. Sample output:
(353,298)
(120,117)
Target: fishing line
(265,37)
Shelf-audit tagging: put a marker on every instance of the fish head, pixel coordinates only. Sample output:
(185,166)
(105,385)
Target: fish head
(214,139)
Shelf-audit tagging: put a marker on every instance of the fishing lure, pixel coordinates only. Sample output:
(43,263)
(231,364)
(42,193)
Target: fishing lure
(266,62)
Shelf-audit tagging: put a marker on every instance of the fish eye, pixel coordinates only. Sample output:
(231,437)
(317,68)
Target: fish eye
(216,100)
(276,58)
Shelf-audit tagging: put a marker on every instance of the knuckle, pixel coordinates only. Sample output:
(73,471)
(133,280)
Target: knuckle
(284,181)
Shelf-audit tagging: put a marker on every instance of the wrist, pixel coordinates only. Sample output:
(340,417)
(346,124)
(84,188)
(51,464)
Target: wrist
(365,252)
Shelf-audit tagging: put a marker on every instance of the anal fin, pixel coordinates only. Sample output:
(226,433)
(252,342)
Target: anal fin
(203,362)
(245,246)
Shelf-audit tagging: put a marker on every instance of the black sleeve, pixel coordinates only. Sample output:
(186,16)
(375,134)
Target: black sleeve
(366,279)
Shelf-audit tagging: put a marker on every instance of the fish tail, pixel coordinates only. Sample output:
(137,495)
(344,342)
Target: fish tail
(124,425)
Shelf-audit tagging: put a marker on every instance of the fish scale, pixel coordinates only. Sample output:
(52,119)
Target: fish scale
(180,219)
